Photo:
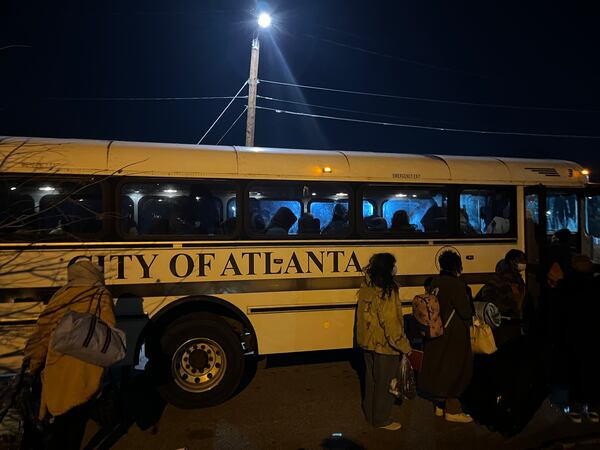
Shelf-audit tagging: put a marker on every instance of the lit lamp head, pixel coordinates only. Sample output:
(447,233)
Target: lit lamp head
(585,172)
(264,20)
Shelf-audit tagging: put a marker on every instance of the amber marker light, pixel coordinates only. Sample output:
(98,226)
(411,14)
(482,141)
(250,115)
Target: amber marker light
(327,169)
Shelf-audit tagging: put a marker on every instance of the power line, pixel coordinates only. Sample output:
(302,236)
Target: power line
(396,58)
(223,112)
(354,111)
(6,47)
(425,127)
(429,100)
(152,99)
(232,125)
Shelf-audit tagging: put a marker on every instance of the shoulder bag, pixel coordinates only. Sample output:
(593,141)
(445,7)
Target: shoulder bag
(482,338)
(87,337)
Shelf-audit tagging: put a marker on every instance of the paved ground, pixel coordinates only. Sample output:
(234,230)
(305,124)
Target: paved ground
(303,402)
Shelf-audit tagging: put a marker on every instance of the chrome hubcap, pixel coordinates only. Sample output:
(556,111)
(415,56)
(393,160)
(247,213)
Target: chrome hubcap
(198,365)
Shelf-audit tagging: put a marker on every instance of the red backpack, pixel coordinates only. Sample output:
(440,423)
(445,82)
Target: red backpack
(426,309)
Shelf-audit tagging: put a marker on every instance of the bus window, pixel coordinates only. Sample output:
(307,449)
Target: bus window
(127,222)
(592,224)
(592,208)
(532,203)
(294,208)
(485,212)
(561,212)
(324,210)
(231,208)
(367,208)
(50,207)
(176,208)
(405,210)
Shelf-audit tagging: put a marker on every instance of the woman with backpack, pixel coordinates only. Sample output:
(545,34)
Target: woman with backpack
(448,359)
(380,334)
(68,384)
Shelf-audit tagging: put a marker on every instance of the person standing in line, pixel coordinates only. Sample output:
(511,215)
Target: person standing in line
(380,334)
(506,290)
(69,385)
(557,272)
(580,322)
(448,359)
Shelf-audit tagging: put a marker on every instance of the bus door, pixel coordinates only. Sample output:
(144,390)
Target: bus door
(590,224)
(535,235)
(548,210)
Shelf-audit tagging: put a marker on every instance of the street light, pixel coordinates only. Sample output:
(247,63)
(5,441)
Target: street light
(264,21)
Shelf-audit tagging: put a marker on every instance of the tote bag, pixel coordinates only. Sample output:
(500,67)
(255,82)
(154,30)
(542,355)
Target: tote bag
(482,338)
(88,338)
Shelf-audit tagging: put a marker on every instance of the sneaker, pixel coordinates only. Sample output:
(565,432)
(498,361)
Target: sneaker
(575,417)
(394,426)
(460,418)
(439,412)
(593,416)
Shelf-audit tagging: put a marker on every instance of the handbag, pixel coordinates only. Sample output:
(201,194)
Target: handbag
(87,337)
(482,338)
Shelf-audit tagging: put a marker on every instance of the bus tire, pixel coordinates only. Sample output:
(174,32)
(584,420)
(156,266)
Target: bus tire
(201,362)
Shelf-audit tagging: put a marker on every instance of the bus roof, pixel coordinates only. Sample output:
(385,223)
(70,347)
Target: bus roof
(78,156)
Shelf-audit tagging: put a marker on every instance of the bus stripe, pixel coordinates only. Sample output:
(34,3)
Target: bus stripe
(182,289)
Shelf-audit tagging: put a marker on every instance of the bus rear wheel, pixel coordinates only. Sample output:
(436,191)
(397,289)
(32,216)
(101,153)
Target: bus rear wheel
(202,361)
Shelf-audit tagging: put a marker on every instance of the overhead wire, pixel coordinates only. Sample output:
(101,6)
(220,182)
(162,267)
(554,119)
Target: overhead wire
(333,108)
(6,47)
(425,127)
(223,112)
(396,58)
(428,100)
(153,99)
(233,124)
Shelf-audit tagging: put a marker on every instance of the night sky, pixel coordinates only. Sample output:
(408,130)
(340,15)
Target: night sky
(61,65)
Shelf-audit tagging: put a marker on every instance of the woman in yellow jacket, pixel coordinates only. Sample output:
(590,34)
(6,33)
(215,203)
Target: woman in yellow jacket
(68,383)
(380,333)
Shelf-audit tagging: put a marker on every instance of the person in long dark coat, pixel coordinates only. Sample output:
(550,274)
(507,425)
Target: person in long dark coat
(580,323)
(448,359)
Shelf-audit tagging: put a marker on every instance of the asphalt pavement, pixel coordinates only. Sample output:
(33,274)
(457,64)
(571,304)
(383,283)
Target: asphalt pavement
(312,401)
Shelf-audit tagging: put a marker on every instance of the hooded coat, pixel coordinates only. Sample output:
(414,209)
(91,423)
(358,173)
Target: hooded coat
(379,321)
(68,382)
(282,221)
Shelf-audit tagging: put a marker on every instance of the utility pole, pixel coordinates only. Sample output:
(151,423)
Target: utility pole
(252,83)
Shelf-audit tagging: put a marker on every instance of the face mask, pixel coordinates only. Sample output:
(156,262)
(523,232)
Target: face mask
(394,270)
(521,267)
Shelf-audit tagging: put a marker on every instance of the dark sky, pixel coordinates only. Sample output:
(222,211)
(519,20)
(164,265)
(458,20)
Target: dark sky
(532,54)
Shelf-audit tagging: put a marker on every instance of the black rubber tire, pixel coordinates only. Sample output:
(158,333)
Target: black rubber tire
(198,325)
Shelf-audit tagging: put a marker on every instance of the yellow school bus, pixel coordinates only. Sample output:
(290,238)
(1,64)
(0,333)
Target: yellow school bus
(236,251)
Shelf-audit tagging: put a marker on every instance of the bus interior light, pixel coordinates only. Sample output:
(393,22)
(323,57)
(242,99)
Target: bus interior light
(47,188)
(327,169)
(401,195)
(13,188)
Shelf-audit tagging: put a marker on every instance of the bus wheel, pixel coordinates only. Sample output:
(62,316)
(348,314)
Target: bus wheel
(202,362)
